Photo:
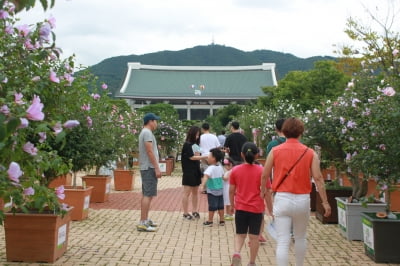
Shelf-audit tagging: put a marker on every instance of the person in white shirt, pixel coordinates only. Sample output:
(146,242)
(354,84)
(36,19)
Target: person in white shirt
(208,141)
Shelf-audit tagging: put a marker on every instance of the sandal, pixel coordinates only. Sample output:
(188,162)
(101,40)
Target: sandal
(196,215)
(187,216)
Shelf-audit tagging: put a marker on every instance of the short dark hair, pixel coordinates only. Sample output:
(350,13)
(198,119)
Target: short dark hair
(293,127)
(217,154)
(205,126)
(222,132)
(235,125)
(191,134)
(279,124)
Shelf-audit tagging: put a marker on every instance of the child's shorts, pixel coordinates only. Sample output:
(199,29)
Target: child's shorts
(215,203)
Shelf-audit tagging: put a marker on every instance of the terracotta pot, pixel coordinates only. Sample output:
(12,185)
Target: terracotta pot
(395,199)
(101,187)
(36,237)
(124,179)
(79,198)
(64,180)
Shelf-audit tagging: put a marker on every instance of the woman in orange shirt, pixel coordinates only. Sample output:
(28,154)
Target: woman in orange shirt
(293,164)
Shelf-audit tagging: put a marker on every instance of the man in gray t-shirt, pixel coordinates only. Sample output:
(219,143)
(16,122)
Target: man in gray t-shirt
(149,170)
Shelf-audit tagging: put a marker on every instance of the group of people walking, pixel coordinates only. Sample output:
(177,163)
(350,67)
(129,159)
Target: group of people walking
(235,181)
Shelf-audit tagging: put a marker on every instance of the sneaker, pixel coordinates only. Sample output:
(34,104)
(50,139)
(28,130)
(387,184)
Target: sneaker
(236,260)
(207,223)
(187,216)
(196,215)
(222,223)
(229,217)
(152,223)
(262,239)
(145,228)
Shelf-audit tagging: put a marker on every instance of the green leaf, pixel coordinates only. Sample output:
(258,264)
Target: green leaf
(12,124)
(60,136)
(3,132)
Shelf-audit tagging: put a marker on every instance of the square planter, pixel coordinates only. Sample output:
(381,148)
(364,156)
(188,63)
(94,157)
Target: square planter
(349,217)
(65,180)
(101,187)
(79,198)
(36,237)
(331,195)
(123,179)
(381,238)
(166,166)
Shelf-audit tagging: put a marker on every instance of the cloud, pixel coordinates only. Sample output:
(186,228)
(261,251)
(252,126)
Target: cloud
(97,29)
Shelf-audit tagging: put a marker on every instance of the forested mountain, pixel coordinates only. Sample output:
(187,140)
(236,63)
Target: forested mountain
(113,70)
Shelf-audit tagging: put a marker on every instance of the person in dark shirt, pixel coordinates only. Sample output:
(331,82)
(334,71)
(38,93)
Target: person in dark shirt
(234,142)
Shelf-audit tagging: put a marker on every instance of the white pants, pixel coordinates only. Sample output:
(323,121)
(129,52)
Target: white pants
(291,209)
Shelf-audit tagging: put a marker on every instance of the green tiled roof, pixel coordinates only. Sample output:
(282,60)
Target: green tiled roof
(143,81)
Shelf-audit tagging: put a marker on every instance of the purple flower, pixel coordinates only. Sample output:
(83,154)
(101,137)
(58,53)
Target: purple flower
(382,147)
(344,130)
(395,52)
(34,111)
(35,78)
(348,157)
(71,123)
(60,192)
(104,86)
(96,96)
(351,124)
(86,107)
(5,80)
(24,123)
(52,22)
(69,78)
(57,128)
(23,30)
(3,14)
(14,172)
(4,109)
(89,121)
(53,77)
(44,32)
(122,126)
(384,187)
(342,120)
(29,191)
(18,98)
(9,29)
(42,136)
(30,148)
(389,91)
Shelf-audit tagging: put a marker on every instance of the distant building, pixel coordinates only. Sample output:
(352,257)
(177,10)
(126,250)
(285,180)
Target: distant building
(195,91)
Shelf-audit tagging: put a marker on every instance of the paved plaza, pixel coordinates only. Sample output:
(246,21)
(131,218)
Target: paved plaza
(109,236)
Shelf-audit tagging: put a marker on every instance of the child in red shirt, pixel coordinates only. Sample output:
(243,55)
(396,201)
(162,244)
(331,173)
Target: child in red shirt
(245,198)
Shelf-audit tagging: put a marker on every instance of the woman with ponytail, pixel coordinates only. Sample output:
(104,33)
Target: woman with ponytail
(245,198)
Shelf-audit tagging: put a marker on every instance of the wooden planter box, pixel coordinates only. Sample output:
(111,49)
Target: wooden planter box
(166,166)
(331,195)
(381,238)
(349,217)
(101,187)
(79,198)
(65,180)
(124,179)
(36,237)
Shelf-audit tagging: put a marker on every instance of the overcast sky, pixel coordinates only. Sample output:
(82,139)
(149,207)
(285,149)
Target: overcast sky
(94,30)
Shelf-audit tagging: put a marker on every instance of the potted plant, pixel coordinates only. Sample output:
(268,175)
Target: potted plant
(29,85)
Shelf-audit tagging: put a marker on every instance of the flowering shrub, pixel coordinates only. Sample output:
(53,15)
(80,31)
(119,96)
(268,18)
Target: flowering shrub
(168,137)
(359,130)
(32,81)
(259,123)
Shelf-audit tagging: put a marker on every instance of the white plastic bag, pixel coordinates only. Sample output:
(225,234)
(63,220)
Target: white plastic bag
(270,228)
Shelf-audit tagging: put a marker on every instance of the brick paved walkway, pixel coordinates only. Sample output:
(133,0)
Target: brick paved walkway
(109,236)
